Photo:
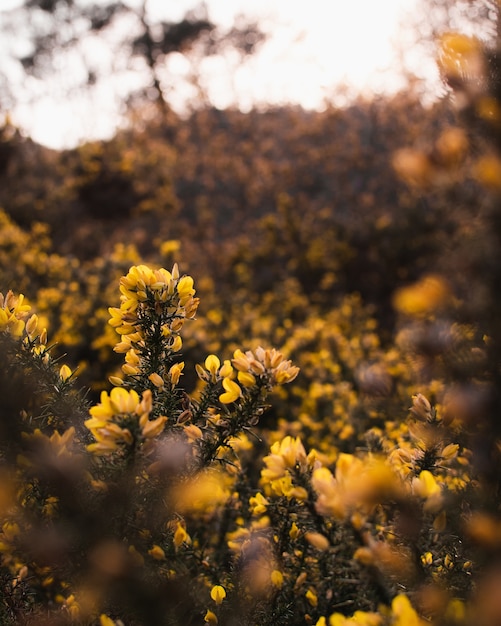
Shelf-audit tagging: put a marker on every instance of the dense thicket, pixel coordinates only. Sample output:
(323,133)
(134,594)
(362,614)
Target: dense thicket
(363,242)
(255,199)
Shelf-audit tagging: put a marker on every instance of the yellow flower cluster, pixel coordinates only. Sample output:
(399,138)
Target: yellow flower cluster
(286,459)
(13,312)
(269,364)
(154,305)
(402,614)
(122,418)
(357,485)
(266,368)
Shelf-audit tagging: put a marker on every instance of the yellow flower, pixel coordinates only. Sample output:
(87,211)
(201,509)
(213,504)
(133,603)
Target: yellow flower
(157,380)
(64,373)
(104,620)
(32,326)
(294,531)
(317,540)
(258,504)
(426,296)
(12,313)
(152,428)
(426,485)
(226,370)
(185,288)
(247,379)
(232,393)
(312,597)
(193,432)
(218,594)
(403,613)
(210,618)
(180,536)
(212,365)
(177,344)
(277,578)
(119,401)
(157,553)
(175,372)
(460,56)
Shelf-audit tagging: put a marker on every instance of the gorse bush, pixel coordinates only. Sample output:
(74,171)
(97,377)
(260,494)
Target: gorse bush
(155,506)
(341,465)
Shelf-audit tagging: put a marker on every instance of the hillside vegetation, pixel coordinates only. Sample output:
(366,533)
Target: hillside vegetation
(251,369)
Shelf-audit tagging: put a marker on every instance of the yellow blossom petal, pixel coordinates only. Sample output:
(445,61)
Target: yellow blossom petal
(218,594)
(233,391)
(64,373)
(157,553)
(210,618)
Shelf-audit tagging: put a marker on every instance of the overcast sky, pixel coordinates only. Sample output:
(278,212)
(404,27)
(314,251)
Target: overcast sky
(313,47)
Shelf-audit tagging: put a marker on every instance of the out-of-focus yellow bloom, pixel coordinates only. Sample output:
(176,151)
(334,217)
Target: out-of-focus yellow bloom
(284,454)
(413,166)
(152,428)
(210,618)
(484,529)
(204,493)
(171,246)
(460,56)
(364,555)
(317,540)
(427,296)
(421,408)
(277,578)
(312,597)
(181,536)
(403,612)
(157,553)
(357,485)
(452,145)
(193,432)
(425,485)
(359,618)
(487,170)
(104,620)
(294,531)
(258,504)
(456,611)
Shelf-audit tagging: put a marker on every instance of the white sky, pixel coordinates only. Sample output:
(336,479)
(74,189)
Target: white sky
(314,46)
